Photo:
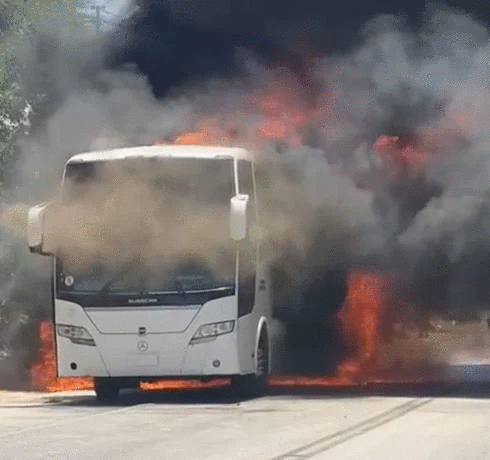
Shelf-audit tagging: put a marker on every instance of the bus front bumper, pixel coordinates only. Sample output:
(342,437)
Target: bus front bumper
(156,355)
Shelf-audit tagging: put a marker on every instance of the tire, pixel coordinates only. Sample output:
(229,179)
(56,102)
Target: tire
(106,389)
(263,364)
(254,384)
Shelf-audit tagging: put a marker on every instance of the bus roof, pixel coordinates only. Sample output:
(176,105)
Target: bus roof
(164,151)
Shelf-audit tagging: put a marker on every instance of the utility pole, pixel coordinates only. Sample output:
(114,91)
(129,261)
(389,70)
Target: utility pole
(98,19)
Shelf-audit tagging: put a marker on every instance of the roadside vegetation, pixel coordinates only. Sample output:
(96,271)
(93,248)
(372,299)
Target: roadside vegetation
(21,23)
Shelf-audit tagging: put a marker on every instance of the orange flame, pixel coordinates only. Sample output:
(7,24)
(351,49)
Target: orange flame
(193,138)
(283,116)
(183,384)
(205,134)
(199,137)
(43,373)
(361,313)
(361,319)
(402,157)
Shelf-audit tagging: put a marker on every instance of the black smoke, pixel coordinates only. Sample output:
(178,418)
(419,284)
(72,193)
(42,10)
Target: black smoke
(175,42)
(174,50)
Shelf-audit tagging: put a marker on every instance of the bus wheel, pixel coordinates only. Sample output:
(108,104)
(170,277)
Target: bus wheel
(254,384)
(106,389)
(262,370)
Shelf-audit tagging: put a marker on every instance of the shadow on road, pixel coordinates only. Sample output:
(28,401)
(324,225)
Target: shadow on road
(463,382)
(221,396)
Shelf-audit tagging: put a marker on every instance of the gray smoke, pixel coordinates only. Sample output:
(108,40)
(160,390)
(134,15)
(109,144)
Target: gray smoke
(329,198)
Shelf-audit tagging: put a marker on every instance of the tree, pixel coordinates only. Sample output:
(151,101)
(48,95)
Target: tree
(21,22)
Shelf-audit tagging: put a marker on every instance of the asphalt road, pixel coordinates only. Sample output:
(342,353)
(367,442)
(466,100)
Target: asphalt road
(377,424)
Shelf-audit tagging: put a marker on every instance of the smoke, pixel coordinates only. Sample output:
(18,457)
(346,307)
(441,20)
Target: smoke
(154,211)
(309,110)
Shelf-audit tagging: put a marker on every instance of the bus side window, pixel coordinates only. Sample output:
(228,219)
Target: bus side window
(247,250)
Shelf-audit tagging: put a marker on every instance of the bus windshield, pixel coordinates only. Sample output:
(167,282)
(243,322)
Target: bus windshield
(139,278)
(146,225)
(206,180)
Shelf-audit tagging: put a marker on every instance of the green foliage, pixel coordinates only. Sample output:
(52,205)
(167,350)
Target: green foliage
(21,21)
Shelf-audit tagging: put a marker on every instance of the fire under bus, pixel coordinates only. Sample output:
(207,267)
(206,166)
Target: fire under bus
(204,315)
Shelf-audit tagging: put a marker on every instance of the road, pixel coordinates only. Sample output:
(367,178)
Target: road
(380,424)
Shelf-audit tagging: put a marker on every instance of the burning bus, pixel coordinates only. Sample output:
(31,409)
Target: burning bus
(162,270)
(158,269)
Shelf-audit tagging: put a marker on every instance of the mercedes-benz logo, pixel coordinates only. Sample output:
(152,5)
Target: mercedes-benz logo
(142,345)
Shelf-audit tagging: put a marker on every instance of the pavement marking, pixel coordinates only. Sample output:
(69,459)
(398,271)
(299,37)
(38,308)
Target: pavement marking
(327,442)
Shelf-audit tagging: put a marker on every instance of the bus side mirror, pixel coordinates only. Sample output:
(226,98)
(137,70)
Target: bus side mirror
(36,228)
(238,217)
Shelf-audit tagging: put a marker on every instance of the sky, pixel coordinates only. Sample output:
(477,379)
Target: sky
(114,10)
(115,7)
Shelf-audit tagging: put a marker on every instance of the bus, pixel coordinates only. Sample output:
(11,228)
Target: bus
(190,298)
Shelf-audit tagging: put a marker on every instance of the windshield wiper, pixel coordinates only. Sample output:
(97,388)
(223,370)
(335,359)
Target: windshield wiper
(191,283)
(190,293)
(179,285)
(124,271)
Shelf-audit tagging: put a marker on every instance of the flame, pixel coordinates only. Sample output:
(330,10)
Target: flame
(360,317)
(183,384)
(361,314)
(401,156)
(43,373)
(311,382)
(281,113)
(209,133)
(199,137)
(276,115)
(194,138)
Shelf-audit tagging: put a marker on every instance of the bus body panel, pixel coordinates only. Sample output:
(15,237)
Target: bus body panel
(154,320)
(88,360)
(151,354)
(219,356)
(246,331)
(249,326)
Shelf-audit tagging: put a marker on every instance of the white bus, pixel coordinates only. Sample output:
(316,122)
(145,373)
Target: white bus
(153,318)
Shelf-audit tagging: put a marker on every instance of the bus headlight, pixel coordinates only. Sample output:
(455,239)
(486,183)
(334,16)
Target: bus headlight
(76,334)
(207,331)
